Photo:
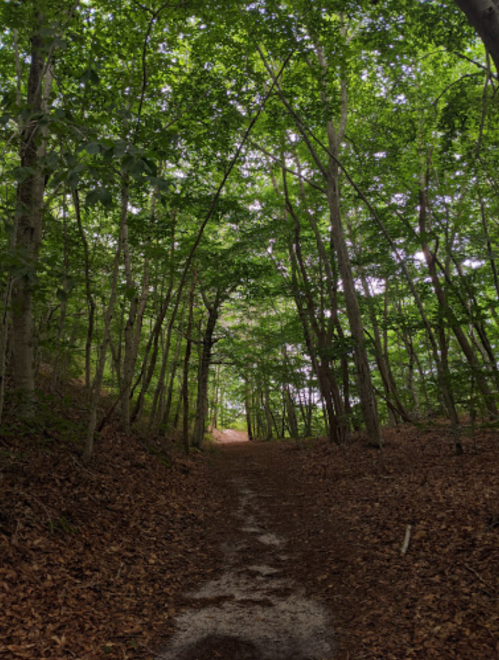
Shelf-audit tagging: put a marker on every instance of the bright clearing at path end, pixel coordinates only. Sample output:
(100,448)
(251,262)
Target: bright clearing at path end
(229,436)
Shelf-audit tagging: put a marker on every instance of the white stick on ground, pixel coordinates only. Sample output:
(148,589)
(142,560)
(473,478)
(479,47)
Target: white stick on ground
(407,540)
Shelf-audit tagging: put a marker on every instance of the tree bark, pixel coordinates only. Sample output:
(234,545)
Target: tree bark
(430,258)
(204,369)
(247,408)
(483,15)
(165,413)
(185,382)
(268,413)
(367,397)
(101,360)
(30,194)
(64,301)
(365,389)
(88,292)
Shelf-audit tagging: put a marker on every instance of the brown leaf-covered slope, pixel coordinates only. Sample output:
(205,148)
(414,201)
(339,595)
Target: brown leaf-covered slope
(440,600)
(93,562)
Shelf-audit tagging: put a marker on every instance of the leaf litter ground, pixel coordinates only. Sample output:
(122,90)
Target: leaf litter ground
(118,560)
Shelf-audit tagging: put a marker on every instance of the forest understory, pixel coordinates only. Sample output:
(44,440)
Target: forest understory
(98,561)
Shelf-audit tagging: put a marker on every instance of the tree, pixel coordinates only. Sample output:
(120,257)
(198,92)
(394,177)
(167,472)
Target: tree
(327,172)
(483,15)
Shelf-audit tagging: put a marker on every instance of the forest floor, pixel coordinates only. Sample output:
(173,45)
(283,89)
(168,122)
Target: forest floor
(247,551)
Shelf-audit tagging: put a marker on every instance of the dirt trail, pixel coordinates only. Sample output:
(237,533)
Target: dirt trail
(257,608)
(229,436)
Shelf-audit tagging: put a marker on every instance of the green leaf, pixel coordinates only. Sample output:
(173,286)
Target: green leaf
(20,174)
(119,150)
(51,161)
(128,163)
(130,292)
(97,195)
(150,166)
(92,148)
(61,295)
(60,43)
(90,76)
(161,184)
(73,176)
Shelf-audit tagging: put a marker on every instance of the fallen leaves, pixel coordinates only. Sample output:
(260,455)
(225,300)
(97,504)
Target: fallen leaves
(95,561)
(439,600)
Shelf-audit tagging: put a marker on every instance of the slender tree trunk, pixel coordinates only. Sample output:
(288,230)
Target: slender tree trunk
(442,300)
(411,382)
(292,421)
(490,251)
(268,413)
(324,326)
(165,414)
(88,292)
(64,296)
(214,416)
(101,359)
(185,383)
(176,417)
(221,404)
(4,337)
(365,389)
(309,323)
(136,311)
(382,360)
(148,365)
(202,394)
(247,408)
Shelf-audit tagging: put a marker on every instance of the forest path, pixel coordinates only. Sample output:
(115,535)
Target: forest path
(229,436)
(257,609)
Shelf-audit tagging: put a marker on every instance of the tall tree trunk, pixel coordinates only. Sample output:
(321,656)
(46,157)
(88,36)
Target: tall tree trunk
(30,194)
(6,317)
(335,135)
(364,384)
(411,382)
(490,250)
(324,326)
(336,431)
(382,360)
